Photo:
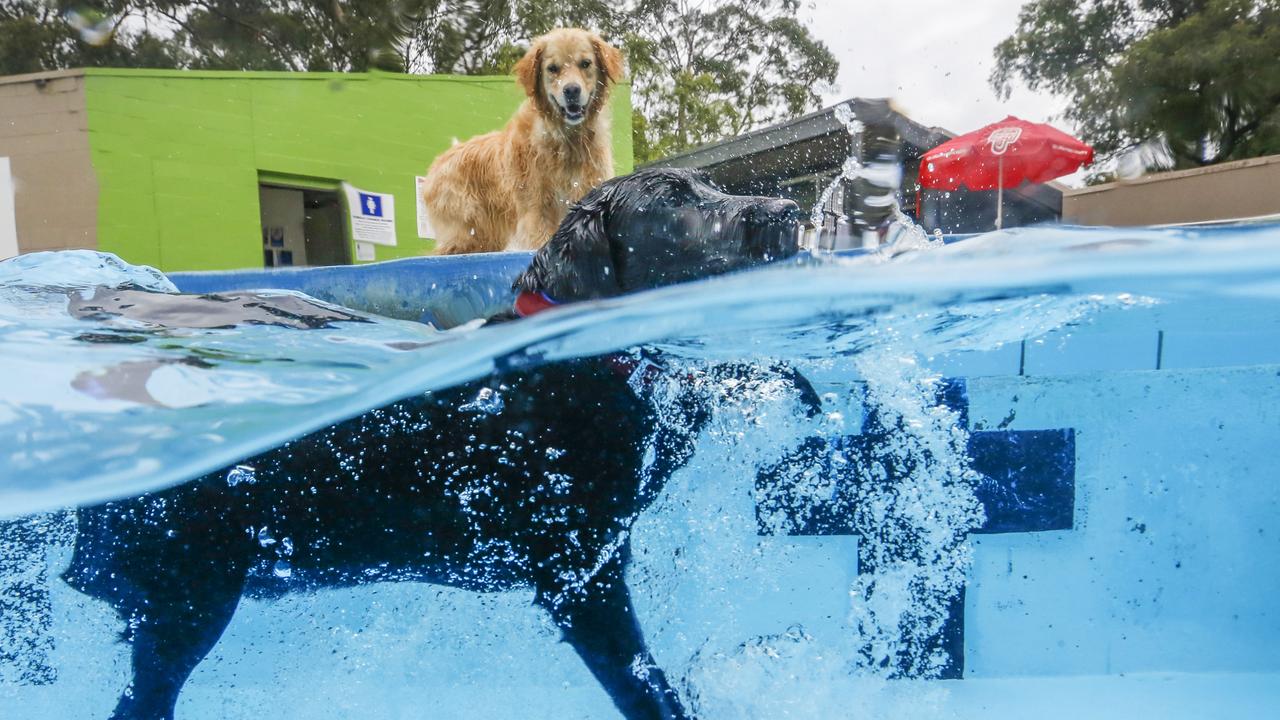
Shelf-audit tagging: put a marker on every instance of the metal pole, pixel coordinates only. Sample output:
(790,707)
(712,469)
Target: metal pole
(1000,196)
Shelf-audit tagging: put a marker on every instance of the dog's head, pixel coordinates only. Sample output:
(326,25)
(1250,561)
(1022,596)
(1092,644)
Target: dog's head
(568,72)
(658,227)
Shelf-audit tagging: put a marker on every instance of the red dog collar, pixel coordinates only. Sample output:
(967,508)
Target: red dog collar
(530,303)
(640,373)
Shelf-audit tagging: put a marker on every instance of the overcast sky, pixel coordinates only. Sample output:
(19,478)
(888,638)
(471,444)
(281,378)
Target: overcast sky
(932,56)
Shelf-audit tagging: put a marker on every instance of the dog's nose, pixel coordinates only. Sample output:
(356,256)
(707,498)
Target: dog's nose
(770,211)
(772,228)
(785,210)
(572,93)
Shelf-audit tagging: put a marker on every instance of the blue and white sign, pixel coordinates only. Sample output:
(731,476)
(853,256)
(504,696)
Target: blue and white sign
(373,216)
(370,205)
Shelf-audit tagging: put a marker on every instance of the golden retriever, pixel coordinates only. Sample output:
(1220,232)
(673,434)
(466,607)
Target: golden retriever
(509,189)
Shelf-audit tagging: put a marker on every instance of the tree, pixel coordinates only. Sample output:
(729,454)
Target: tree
(451,36)
(36,35)
(701,70)
(1200,76)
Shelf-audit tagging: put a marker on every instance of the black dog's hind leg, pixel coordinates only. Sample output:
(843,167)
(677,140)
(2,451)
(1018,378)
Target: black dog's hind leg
(600,624)
(170,636)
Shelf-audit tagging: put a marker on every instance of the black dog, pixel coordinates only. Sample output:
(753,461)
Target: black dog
(532,477)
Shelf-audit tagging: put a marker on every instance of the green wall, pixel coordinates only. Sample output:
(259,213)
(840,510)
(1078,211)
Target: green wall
(178,154)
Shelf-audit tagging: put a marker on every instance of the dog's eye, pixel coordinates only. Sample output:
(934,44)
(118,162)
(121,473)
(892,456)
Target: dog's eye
(553,69)
(584,64)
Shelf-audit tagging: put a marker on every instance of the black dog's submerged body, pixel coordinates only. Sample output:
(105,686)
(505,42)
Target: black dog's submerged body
(525,480)
(529,478)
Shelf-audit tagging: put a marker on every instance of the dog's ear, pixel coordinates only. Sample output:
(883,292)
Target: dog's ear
(528,70)
(608,57)
(577,263)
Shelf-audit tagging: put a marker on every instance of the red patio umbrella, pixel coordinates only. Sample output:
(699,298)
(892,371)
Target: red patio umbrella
(1001,155)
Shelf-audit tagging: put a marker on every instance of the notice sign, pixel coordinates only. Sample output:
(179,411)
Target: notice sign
(424,221)
(8,218)
(373,216)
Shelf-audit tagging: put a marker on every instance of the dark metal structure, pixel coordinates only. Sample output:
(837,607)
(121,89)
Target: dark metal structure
(798,159)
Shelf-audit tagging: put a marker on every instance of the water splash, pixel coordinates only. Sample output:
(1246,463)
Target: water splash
(878,179)
(852,167)
(915,504)
(906,235)
(914,529)
(793,675)
(913,511)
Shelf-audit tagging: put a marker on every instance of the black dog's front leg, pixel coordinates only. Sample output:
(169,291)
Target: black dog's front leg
(600,624)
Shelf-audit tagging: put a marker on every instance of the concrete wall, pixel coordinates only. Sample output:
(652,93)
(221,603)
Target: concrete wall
(1246,188)
(162,167)
(44,134)
(180,154)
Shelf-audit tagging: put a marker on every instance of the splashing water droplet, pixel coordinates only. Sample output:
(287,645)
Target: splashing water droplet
(882,175)
(96,30)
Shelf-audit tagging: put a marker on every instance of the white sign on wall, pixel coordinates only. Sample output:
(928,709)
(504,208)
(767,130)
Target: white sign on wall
(425,231)
(8,216)
(373,215)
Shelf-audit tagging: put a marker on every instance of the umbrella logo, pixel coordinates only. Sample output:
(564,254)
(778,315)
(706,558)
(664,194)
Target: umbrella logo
(1002,138)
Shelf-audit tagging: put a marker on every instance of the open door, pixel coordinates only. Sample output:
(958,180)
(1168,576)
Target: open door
(302,227)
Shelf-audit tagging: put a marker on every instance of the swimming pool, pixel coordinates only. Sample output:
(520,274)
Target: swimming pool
(1115,392)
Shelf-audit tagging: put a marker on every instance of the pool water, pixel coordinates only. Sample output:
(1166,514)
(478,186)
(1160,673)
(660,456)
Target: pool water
(1090,526)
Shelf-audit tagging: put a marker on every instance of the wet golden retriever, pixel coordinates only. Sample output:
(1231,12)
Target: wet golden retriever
(509,189)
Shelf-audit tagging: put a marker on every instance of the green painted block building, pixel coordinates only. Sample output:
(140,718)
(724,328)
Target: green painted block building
(186,170)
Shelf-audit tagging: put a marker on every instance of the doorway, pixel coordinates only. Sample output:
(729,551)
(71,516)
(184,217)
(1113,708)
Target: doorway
(302,227)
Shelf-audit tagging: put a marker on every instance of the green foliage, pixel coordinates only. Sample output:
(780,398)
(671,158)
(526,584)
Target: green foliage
(40,35)
(1200,76)
(446,36)
(701,70)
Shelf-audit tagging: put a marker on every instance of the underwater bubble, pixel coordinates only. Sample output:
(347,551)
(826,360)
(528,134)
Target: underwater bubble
(282,569)
(264,537)
(487,401)
(242,474)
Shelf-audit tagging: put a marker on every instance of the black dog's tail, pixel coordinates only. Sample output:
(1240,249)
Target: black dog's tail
(26,610)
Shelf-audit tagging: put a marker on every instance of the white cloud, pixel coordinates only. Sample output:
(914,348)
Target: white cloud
(933,57)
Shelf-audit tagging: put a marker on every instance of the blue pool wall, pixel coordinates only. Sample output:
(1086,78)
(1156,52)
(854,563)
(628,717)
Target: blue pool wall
(444,291)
